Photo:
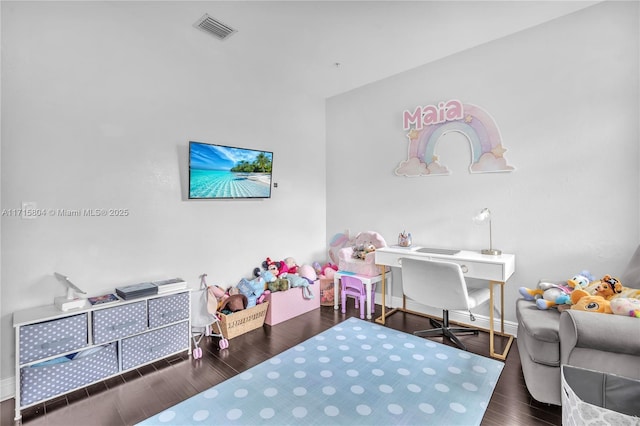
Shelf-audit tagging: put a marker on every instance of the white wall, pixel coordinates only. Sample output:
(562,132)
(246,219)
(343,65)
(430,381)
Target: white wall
(565,96)
(99,102)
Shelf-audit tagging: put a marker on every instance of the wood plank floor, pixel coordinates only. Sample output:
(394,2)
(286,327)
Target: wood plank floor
(132,397)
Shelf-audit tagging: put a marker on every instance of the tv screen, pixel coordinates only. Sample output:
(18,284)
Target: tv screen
(219,172)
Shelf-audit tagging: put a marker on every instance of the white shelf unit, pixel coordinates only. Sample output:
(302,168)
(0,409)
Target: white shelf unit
(109,339)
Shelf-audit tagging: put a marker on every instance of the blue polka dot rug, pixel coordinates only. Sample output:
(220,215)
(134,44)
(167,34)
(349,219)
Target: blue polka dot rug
(355,373)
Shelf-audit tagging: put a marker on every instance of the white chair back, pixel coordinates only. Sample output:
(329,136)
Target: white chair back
(439,284)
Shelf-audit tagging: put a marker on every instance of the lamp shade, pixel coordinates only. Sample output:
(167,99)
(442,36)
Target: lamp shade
(482,216)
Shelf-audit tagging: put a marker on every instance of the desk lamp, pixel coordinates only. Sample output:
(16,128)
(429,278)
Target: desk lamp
(70,301)
(482,216)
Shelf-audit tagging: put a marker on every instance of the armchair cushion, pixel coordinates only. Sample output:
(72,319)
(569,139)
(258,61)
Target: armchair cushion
(540,331)
(603,332)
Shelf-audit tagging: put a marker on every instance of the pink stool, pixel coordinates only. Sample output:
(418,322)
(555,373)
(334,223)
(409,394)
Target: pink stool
(352,286)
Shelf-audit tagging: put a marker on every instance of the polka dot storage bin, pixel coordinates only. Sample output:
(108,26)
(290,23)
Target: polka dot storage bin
(155,344)
(165,310)
(116,322)
(42,382)
(597,398)
(54,337)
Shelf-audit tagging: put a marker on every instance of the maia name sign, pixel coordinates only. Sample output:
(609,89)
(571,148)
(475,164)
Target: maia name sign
(427,124)
(433,114)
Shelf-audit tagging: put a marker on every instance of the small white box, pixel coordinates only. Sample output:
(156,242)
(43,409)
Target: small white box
(65,304)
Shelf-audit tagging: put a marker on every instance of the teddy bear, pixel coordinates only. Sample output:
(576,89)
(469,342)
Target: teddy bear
(627,306)
(583,301)
(361,250)
(608,287)
(548,295)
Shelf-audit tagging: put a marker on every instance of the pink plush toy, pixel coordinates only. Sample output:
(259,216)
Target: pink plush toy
(291,264)
(329,270)
(307,271)
(626,306)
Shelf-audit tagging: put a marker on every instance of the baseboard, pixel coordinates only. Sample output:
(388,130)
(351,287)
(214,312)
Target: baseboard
(7,388)
(482,321)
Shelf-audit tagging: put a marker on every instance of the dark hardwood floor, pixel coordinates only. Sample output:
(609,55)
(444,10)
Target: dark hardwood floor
(132,397)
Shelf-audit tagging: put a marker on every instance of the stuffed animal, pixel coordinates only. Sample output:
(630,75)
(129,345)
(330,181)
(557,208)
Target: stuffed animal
(611,288)
(234,303)
(292,266)
(253,290)
(317,268)
(277,268)
(280,284)
(219,295)
(608,287)
(626,306)
(583,301)
(548,295)
(360,251)
(298,281)
(308,272)
(327,270)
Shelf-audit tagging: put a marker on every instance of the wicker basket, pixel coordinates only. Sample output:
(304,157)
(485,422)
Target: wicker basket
(243,321)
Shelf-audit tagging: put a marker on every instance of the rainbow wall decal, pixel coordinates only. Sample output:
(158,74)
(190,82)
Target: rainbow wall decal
(428,124)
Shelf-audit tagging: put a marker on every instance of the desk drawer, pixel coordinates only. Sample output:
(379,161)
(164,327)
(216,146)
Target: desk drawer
(470,268)
(393,259)
(484,271)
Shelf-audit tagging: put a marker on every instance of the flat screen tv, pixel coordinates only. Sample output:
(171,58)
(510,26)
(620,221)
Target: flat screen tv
(225,172)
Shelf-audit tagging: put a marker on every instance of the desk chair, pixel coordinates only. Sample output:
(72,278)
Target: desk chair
(441,284)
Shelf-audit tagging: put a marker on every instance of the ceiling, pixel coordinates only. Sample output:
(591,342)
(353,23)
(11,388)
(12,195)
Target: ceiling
(325,48)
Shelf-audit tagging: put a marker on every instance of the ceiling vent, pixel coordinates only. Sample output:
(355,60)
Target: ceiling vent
(214,27)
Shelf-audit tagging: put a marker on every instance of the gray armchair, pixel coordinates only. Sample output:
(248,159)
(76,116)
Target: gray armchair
(547,339)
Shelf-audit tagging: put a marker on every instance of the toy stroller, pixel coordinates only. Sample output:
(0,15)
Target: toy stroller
(203,320)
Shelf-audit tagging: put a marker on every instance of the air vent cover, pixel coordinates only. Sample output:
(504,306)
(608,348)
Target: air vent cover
(214,27)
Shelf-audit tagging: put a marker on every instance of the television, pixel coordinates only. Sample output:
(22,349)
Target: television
(225,172)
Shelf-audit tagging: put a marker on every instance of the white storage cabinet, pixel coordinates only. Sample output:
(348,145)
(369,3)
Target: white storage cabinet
(109,339)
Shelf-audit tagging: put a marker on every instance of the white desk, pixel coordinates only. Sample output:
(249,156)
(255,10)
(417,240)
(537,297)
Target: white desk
(495,269)
(366,280)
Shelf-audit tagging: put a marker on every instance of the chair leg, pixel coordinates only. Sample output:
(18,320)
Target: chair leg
(344,302)
(447,332)
(443,329)
(430,332)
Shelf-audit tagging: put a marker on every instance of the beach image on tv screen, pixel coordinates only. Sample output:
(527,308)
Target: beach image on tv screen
(217,171)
